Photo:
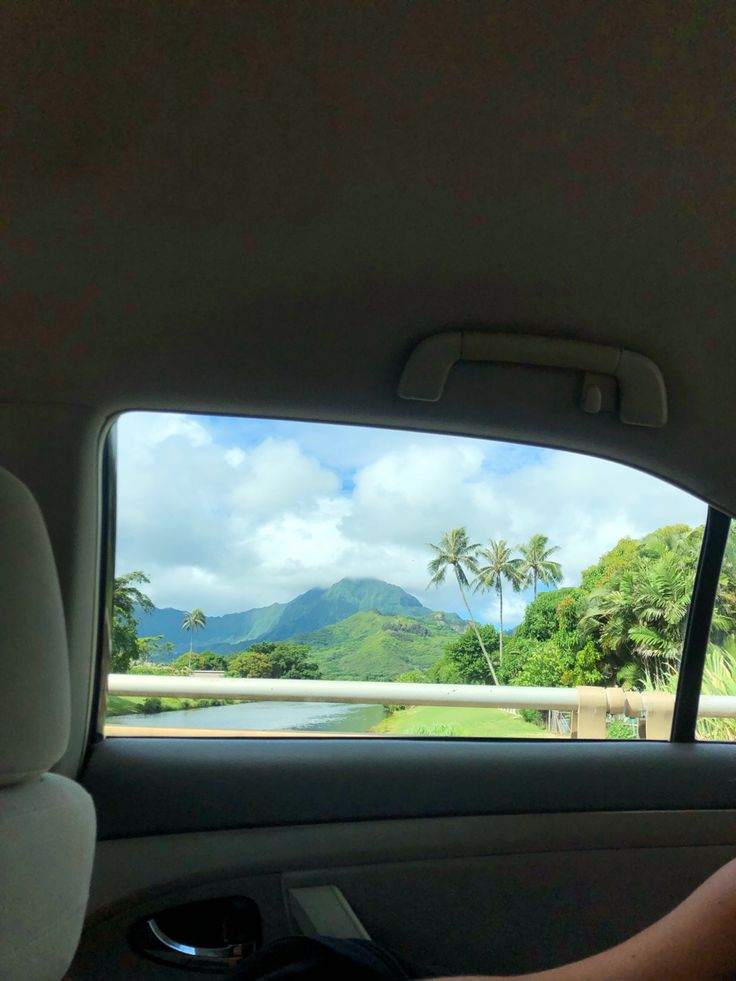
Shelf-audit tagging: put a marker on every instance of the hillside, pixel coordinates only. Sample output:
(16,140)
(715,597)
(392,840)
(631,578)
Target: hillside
(371,646)
(224,633)
(306,613)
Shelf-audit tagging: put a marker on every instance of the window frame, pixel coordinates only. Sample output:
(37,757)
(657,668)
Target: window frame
(697,629)
(695,641)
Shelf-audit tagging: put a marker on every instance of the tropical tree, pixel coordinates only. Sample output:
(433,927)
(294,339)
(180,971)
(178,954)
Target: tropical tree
(192,622)
(127,599)
(641,612)
(274,659)
(500,565)
(154,649)
(200,661)
(464,656)
(456,552)
(249,664)
(536,564)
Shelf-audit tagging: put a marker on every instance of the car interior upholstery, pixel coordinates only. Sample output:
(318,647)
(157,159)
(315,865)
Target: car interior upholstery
(47,821)
(262,209)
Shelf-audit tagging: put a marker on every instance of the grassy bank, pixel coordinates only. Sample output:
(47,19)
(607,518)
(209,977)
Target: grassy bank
(430,720)
(142,705)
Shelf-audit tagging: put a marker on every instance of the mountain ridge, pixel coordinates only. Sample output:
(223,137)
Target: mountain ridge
(307,613)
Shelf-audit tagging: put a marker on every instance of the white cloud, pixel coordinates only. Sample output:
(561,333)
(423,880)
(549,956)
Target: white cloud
(232,522)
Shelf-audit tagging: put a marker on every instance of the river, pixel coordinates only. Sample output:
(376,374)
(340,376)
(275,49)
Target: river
(265,716)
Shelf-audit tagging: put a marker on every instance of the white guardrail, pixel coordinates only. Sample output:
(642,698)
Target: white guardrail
(589,706)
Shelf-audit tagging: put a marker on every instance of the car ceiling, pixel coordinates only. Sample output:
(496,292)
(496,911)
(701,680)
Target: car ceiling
(262,207)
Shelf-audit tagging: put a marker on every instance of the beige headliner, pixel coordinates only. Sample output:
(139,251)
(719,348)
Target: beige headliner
(261,207)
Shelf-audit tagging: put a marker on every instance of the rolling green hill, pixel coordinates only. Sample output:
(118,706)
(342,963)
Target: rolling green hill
(306,613)
(372,646)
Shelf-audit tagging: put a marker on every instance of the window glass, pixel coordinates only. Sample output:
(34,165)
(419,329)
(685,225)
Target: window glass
(717,713)
(513,591)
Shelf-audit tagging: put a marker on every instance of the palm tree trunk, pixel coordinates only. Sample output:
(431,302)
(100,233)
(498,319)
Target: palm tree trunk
(535,584)
(477,634)
(191,642)
(500,617)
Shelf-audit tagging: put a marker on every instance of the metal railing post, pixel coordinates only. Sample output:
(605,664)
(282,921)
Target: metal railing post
(590,716)
(659,707)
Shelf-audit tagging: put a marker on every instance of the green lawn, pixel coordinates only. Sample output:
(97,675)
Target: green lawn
(430,720)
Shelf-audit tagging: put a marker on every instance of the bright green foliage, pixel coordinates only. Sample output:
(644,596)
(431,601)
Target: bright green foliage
(444,671)
(719,678)
(551,666)
(150,706)
(618,729)
(544,667)
(371,646)
(133,705)
(250,664)
(125,598)
(547,648)
(638,615)
(586,667)
(412,677)
(536,565)
(541,619)
(438,720)
(274,659)
(496,564)
(441,730)
(610,565)
(466,656)
(456,552)
(200,661)
(515,653)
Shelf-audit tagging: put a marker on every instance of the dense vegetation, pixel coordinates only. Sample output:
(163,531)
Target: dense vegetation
(623,624)
(372,646)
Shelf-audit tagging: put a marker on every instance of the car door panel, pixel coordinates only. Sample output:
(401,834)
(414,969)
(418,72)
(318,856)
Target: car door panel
(460,856)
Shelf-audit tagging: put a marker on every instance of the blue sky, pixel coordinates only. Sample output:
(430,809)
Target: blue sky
(232,513)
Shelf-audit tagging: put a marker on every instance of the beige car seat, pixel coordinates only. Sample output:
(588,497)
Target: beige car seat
(47,822)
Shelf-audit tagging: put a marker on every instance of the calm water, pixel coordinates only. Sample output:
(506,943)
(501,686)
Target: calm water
(308,716)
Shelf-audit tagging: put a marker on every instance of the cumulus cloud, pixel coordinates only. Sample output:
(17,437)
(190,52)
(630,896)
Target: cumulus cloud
(231,516)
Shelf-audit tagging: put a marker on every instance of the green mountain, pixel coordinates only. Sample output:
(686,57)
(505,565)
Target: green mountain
(372,646)
(309,612)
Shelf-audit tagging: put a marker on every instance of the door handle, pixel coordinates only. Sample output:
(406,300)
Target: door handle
(229,955)
(203,935)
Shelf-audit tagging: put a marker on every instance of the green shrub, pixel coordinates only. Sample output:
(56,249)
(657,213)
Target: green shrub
(151,705)
(618,729)
(719,678)
(533,716)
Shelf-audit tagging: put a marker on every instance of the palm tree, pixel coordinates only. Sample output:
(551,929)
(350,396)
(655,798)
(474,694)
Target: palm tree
(500,566)
(645,614)
(536,564)
(193,622)
(456,552)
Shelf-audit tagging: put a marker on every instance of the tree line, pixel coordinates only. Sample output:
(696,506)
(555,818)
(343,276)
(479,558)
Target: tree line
(624,624)
(131,653)
(490,567)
